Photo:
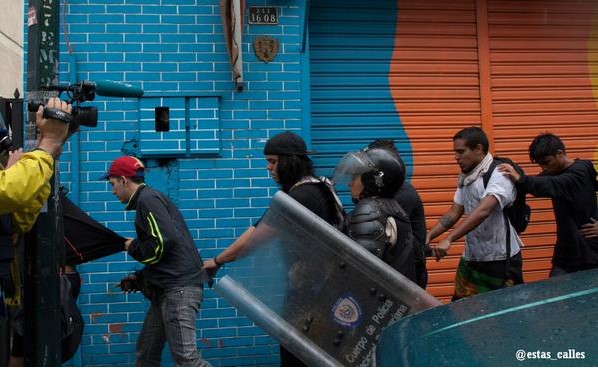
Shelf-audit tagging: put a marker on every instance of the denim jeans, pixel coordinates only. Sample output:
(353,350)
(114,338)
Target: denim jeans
(171,318)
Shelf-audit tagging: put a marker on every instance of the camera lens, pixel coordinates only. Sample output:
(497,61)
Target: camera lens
(33,105)
(86,116)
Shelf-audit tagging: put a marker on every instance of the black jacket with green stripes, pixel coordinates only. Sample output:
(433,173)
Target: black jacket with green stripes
(164,244)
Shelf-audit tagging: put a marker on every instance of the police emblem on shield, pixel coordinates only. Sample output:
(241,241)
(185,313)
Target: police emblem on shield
(266,48)
(347,312)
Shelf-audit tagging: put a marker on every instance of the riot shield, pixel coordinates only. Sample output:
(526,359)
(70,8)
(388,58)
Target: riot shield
(320,294)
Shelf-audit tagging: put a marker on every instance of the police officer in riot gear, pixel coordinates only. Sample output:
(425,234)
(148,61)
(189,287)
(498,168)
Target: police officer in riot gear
(378,222)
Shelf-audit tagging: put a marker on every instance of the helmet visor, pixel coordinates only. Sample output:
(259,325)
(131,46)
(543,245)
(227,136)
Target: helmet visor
(351,165)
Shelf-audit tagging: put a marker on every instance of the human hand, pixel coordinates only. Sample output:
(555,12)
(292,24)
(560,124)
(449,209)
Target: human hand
(510,172)
(128,243)
(130,284)
(441,250)
(13,157)
(53,132)
(211,266)
(428,250)
(590,230)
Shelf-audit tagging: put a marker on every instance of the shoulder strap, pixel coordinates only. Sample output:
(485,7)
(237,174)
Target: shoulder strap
(340,212)
(488,173)
(508,237)
(306,180)
(486,179)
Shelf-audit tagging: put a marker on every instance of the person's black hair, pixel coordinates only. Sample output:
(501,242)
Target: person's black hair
(472,137)
(544,145)
(386,143)
(291,168)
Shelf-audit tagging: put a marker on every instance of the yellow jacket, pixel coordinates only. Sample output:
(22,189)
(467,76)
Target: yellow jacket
(25,187)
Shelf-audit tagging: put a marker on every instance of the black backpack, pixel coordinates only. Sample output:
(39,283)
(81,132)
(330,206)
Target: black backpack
(519,213)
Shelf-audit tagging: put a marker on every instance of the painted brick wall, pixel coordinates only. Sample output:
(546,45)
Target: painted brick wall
(175,49)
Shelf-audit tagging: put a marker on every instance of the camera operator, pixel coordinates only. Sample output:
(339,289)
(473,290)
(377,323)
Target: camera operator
(25,185)
(25,182)
(24,188)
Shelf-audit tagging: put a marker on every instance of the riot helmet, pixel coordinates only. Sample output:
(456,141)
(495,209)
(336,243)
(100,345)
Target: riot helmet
(382,171)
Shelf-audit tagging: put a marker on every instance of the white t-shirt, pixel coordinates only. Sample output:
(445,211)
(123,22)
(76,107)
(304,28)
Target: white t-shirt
(487,241)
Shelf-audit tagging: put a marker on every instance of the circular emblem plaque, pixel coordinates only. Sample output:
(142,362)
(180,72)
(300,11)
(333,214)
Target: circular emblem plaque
(266,48)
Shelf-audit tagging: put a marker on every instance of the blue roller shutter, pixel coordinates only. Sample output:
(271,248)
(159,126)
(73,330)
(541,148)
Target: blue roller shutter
(351,48)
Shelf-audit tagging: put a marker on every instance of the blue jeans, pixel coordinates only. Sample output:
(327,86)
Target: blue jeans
(171,318)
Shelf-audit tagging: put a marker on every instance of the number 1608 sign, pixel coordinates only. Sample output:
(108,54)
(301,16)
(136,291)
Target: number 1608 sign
(263,15)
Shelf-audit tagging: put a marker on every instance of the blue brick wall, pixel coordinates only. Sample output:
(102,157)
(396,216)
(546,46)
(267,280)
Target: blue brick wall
(175,51)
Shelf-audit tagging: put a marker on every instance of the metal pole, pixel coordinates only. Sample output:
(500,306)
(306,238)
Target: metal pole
(45,242)
(275,325)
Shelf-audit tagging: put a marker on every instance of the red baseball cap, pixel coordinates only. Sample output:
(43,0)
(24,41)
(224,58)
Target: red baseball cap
(127,166)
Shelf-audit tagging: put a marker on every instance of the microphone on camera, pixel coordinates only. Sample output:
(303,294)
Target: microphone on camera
(86,90)
(110,88)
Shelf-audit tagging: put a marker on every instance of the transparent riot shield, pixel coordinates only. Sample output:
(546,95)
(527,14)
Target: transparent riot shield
(320,294)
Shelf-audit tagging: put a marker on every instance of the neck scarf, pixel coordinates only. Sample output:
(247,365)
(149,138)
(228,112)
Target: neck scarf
(467,178)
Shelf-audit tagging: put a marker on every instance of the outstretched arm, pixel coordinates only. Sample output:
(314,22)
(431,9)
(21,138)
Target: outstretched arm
(231,253)
(510,172)
(478,215)
(446,222)
(566,184)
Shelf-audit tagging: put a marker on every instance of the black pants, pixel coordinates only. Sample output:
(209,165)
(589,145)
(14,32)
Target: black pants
(421,274)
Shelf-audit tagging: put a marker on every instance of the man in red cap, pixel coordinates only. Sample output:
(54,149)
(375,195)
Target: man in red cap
(172,278)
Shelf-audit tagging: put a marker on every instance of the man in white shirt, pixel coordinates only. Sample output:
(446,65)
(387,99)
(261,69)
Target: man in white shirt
(485,264)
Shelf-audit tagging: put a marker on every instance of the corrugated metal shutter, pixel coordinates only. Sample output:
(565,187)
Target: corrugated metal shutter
(351,45)
(516,67)
(370,79)
(435,84)
(540,55)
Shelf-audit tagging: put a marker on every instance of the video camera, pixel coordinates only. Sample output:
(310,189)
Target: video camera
(81,92)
